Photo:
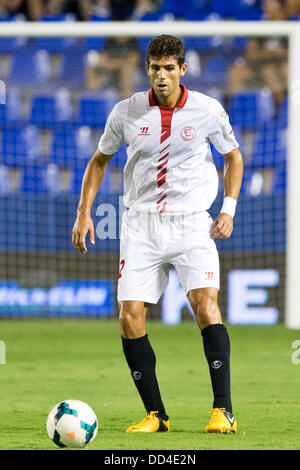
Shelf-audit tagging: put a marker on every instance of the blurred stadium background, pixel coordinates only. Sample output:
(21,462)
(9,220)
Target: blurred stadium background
(56,96)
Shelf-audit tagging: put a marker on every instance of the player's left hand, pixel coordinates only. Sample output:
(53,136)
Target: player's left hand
(222,227)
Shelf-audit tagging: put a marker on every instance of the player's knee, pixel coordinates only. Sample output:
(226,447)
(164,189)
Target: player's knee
(205,307)
(131,320)
(126,317)
(128,313)
(203,299)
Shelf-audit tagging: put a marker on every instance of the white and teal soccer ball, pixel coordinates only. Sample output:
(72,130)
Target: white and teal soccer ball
(72,423)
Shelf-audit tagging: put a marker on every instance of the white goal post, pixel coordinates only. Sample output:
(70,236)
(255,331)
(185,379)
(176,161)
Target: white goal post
(291,30)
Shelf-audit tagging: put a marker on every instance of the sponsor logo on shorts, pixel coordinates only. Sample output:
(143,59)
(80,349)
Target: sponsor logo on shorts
(210,276)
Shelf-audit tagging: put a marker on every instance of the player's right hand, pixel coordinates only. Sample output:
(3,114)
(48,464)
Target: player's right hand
(83,225)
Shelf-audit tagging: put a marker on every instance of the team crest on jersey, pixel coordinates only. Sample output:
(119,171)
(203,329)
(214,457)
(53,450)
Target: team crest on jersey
(188,133)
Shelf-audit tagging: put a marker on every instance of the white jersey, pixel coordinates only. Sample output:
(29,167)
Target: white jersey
(169,165)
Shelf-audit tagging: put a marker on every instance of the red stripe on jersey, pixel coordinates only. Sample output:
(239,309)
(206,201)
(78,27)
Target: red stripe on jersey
(162,165)
(163,190)
(161,199)
(163,208)
(164,148)
(164,156)
(166,132)
(166,119)
(161,181)
(161,174)
(166,114)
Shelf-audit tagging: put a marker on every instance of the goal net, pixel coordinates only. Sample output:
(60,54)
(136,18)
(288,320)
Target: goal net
(58,84)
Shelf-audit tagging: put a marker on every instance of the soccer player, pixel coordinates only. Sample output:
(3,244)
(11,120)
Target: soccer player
(170,181)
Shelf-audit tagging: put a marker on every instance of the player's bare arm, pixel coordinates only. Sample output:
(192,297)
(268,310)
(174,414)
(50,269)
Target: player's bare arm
(233,174)
(91,182)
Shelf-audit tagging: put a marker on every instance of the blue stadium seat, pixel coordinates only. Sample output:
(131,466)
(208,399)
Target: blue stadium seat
(247,10)
(269,146)
(215,71)
(77,176)
(96,43)
(20,145)
(208,46)
(142,46)
(72,68)
(84,143)
(77,181)
(192,83)
(29,68)
(218,159)
(72,146)
(197,10)
(282,114)
(176,7)
(251,109)
(119,159)
(236,46)
(199,44)
(49,109)
(11,111)
(280,178)
(240,10)
(252,183)
(153,16)
(51,179)
(33,179)
(56,45)
(224,9)
(5,186)
(8,45)
(94,108)
(45,179)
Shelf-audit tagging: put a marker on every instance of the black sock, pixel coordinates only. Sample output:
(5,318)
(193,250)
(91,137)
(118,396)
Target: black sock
(141,360)
(216,345)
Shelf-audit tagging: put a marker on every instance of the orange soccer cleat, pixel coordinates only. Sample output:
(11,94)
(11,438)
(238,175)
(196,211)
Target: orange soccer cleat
(221,421)
(151,423)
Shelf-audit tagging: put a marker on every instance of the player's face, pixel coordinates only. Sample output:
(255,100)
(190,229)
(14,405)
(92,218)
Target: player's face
(165,75)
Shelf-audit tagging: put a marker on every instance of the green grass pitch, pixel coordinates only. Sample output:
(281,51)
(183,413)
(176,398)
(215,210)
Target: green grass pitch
(50,360)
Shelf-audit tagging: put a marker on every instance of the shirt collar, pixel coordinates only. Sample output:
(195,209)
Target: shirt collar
(180,104)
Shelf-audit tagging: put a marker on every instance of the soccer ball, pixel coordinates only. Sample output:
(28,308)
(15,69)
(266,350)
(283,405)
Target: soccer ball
(72,423)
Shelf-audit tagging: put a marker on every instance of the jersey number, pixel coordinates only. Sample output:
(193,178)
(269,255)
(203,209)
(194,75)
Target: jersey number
(122,264)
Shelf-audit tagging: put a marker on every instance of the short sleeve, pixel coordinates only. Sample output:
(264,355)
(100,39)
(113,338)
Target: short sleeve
(113,136)
(220,131)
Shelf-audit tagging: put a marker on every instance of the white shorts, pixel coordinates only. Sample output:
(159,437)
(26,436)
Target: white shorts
(152,244)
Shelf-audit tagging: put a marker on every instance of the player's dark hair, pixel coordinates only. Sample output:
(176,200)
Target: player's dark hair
(166,46)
